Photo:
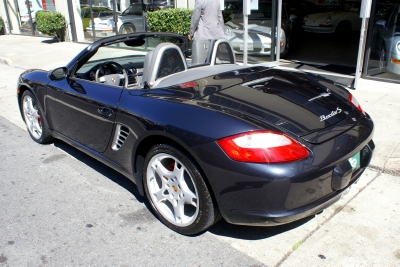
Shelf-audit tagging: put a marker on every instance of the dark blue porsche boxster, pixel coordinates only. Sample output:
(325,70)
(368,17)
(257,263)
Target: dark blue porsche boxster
(201,136)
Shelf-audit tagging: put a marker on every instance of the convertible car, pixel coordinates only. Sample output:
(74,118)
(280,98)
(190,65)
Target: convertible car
(257,145)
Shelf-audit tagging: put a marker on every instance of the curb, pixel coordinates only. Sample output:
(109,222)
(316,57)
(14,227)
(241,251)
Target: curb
(327,214)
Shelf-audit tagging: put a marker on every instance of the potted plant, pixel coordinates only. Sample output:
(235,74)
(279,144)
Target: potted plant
(52,24)
(2,30)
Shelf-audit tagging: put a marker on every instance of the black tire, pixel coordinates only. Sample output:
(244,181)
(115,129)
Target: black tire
(177,192)
(35,122)
(343,29)
(127,28)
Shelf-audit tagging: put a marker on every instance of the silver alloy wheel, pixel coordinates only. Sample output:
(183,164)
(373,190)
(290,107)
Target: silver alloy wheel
(172,190)
(126,29)
(32,117)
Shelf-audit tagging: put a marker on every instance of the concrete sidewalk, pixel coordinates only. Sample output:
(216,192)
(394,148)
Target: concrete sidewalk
(361,229)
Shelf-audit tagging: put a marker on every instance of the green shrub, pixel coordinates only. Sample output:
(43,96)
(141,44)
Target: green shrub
(51,23)
(176,20)
(1,23)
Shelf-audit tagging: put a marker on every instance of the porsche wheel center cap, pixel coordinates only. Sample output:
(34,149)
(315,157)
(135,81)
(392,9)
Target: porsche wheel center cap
(175,188)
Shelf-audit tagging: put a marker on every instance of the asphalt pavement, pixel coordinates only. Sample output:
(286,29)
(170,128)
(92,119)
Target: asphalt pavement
(362,229)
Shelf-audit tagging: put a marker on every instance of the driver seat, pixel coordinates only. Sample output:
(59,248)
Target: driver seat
(164,60)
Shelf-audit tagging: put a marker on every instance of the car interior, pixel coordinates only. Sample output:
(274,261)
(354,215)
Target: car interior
(138,65)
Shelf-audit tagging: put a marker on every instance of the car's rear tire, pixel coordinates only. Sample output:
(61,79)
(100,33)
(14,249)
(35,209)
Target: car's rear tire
(36,123)
(127,28)
(177,191)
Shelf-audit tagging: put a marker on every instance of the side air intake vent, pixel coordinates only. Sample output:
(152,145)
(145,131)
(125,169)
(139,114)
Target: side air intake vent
(121,133)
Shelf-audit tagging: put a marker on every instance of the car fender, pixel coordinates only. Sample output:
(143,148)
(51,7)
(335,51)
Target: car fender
(35,81)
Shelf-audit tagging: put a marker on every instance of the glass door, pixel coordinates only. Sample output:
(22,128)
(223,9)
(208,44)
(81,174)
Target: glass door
(383,43)
(262,30)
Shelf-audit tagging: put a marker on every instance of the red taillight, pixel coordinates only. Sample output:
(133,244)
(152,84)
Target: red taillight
(188,85)
(262,147)
(355,103)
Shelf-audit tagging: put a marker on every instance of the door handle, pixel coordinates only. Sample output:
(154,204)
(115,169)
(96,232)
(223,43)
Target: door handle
(105,112)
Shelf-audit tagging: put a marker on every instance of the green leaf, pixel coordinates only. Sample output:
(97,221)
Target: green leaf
(51,23)
(175,20)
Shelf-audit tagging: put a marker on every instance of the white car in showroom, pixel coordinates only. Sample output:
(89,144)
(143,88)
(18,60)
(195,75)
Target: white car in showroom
(128,21)
(340,20)
(386,43)
(258,40)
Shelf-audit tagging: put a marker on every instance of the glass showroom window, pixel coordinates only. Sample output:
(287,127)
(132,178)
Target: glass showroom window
(384,42)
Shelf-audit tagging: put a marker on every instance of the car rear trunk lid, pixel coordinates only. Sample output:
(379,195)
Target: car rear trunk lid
(292,101)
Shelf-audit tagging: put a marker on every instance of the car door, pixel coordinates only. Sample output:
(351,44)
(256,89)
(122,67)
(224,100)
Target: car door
(83,110)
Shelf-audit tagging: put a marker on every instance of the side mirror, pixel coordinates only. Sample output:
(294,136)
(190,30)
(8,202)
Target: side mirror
(381,22)
(58,74)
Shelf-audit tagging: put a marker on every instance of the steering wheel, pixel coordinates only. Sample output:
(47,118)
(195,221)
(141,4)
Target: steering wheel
(114,78)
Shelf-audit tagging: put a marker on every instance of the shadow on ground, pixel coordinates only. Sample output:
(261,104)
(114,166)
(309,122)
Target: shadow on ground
(221,228)
(104,170)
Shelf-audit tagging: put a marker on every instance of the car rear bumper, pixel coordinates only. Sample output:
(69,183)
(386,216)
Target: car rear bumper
(100,33)
(318,29)
(260,218)
(274,194)
(258,49)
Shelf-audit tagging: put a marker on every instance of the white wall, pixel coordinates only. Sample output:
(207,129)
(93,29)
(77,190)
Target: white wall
(62,7)
(13,14)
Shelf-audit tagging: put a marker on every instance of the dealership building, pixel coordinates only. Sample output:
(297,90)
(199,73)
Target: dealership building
(341,40)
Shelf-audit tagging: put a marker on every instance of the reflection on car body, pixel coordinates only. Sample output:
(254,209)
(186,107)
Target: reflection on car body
(203,141)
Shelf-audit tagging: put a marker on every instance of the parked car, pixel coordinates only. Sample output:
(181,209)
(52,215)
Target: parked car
(259,29)
(257,145)
(258,40)
(129,21)
(386,41)
(98,12)
(301,8)
(340,20)
(159,5)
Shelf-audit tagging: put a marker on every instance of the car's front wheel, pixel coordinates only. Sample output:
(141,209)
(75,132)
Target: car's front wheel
(35,121)
(343,29)
(177,191)
(127,28)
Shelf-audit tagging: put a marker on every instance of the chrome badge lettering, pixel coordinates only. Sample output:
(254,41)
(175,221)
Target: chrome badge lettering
(333,113)
(320,95)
